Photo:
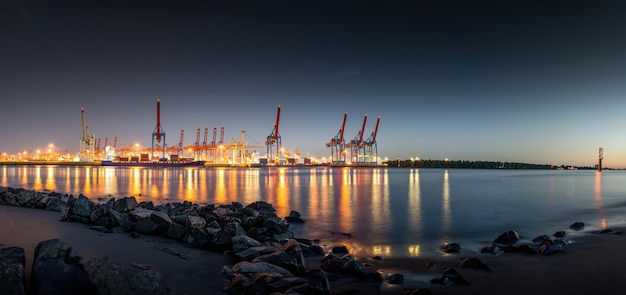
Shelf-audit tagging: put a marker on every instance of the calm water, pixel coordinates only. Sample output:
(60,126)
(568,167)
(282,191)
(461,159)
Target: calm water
(390,212)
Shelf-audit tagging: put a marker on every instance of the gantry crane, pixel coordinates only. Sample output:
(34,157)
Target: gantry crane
(356,144)
(158,132)
(274,140)
(337,144)
(370,147)
(179,151)
(87,141)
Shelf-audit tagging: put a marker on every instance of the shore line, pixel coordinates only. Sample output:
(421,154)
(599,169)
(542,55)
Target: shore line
(592,262)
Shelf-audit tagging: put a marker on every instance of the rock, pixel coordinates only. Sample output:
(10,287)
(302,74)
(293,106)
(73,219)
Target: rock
(197,238)
(176,231)
(550,246)
(294,217)
(195,221)
(279,258)
(474,262)
(161,218)
(353,268)
(396,278)
(139,214)
(241,243)
(578,225)
(121,220)
(57,270)
(451,248)
(541,238)
(254,252)
(125,204)
(12,271)
(82,207)
(450,276)
(223,239)
(245,267)
(508,238)
(124,279)
(340,250)
(559,234)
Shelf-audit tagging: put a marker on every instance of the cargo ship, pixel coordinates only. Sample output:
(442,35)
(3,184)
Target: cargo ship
(144,161)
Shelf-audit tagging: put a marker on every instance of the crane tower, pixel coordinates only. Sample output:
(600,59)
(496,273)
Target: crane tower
(274,141)
(158,132)
(370,146)
(337,145)
(87,141)
(356,144)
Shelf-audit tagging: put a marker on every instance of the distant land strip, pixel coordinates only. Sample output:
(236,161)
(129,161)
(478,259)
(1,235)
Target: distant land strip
(480,165)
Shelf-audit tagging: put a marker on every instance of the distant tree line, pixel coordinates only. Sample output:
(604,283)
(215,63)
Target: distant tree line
(464,164)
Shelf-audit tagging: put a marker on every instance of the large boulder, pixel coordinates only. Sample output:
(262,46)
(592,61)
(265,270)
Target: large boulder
(58,270)
(124,279)
(12,276)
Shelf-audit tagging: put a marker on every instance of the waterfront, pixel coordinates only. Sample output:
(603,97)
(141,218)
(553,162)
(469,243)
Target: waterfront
(388,211)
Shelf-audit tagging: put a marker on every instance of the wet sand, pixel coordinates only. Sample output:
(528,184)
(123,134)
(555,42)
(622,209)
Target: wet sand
(592,263)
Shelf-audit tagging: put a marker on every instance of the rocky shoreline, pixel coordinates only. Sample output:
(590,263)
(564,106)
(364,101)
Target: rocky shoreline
(267,257)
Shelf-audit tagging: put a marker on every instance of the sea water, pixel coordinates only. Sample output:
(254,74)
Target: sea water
(392,212)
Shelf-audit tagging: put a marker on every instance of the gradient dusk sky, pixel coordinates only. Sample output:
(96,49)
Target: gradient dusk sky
(518,81)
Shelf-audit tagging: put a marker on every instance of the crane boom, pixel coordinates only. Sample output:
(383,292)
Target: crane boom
(157,129)
(197,143)
(362,129)
(115,143)
(276,125)
(375,130)
(343,126)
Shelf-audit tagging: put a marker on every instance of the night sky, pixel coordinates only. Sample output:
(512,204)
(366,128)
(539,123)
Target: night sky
(517,81)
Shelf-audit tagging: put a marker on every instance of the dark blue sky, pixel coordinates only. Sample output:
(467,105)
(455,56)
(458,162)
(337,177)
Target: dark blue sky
(526,81)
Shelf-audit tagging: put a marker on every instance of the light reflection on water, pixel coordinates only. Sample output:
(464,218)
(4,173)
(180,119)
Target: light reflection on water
(374,211)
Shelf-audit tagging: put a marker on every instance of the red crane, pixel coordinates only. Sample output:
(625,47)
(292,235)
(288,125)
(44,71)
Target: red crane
(197,143)
(214,136)
(158,132)
(180,143)
(206,136)
(370,146)
(357,142)
(337,144)
(222,136)
(274,139)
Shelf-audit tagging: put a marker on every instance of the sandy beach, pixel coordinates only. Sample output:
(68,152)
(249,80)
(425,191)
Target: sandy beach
(592,263)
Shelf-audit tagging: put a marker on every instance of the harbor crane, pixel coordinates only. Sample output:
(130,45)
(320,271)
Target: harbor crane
(213,142)
(356,144)
(87,141)
(337,144)
(274,140)
(158,134)
(370,147)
